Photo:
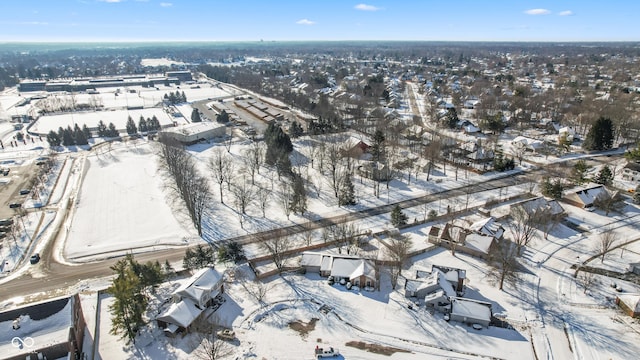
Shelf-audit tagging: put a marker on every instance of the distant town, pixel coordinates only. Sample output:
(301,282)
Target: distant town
(351,200)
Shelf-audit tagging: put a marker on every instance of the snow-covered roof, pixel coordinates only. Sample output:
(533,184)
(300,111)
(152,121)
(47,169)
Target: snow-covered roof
(437,277)
(204,281)
(527,142)
(352,268)
(181,313)
(46,323)
(311,259)
(488,226)
(586,195)
(194,128)
(540,204)
(479,242)
(470,308)
(632,301)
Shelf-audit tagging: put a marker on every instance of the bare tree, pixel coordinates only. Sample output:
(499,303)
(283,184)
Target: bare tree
(243,193)
(254,156)
(333,157)
(522,226)
(587,280)
(286,197)
(605,245)
(432,152)
(220,166)
(518,150)
(276,243)
(187,182)
(503,263)
(262,196)
(210,346)
(398,252)
(608,202)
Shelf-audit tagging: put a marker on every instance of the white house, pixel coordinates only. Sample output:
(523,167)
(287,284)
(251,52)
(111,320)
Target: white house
(360,272)
(190,300)
(631,172)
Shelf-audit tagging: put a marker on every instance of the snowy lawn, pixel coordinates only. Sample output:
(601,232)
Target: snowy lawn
(122,205)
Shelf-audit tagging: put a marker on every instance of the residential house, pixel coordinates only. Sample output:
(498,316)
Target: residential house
(455,276)
(583,197)
(470,311)
(190,300)
(630,304)
(541,204)
(360,272)
(631,172)
(488,226)
(423,285)
(463,240)
(356,149)
(56,328)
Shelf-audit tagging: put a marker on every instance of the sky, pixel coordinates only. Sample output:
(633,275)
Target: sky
(296,20)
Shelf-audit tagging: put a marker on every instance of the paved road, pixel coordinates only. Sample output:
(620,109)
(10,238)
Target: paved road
(52,275)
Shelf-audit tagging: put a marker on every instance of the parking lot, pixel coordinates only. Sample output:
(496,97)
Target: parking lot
(19,177)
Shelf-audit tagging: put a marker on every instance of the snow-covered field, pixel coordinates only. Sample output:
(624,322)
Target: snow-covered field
(122,205)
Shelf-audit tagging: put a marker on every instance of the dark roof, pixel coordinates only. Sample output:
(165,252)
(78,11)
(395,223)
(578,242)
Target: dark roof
(37,311)
(633,166)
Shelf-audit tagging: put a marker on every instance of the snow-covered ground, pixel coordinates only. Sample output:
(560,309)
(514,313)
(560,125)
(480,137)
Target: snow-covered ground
(122,205)
(119,201)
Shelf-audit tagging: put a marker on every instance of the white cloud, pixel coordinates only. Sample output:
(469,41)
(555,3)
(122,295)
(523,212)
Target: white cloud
(111,1)
(537,12)
(565,13)
(305,22)
(166,4)
(365,7)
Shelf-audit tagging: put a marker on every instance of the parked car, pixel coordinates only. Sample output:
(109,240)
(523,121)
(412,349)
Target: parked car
(226,334)
(324,353)
(14,205)
(5,172)
(5,222)
(24,191)
(34,258)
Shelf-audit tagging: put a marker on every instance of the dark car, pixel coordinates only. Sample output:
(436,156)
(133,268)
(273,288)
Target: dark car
(34,258)
(24,191)
(14,205)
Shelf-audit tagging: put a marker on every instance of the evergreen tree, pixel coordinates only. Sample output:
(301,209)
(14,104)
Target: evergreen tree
(377,148)
(60,133)
(112,131)
(198,258)
(604,177)
(552,189)
(79,137)
(129,302)
(195,116)
(279,147)
(223,117)
(295,130)
(452,118)
(299,199)
(131,126)
(183,97)
(86,132)
(102,129)
(398,218)
(346,196)
(579,172)
(600,136)
(53,139)
(142,125)
(231,251)
(67,137)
